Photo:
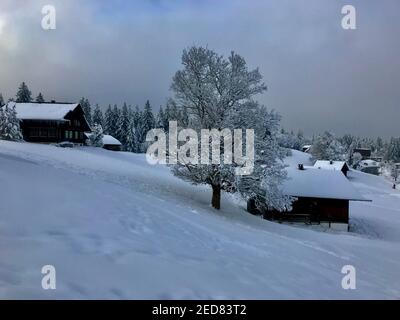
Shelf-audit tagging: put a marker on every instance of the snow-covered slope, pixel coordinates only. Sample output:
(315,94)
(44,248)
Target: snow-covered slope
(116,227)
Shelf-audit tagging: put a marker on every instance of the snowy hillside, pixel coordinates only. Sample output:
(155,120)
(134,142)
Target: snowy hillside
(116,227)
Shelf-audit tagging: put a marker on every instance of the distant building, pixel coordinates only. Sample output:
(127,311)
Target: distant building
(51,122)
(377,158)
(332,165)
(109,142)
(369,166)
(365,152)
(306,148)
(323,197)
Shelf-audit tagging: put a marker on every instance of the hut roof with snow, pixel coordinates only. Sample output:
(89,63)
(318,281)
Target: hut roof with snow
(311,182)
(332,165)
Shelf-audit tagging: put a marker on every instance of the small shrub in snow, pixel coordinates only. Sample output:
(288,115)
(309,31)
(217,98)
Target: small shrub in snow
(96,138)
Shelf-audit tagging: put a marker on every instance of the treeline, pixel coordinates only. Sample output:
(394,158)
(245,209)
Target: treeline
(329,146)
(130,125)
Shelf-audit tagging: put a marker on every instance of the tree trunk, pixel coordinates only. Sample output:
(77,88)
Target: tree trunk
(216,197)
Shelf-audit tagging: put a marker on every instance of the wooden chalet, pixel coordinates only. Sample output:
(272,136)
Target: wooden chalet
(52,122)
(322,197)
(365,152)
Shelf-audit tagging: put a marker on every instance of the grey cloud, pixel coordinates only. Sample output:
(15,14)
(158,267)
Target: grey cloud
(319,75)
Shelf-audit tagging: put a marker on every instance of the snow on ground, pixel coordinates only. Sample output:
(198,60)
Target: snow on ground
(116,227)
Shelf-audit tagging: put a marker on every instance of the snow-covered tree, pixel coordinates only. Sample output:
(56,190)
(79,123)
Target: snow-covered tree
(136,116)
(1,100)
(393,150)
(327,147)
(263,185)
(98,116)
(161,119)
(39,98)
(290,140)
(96,137)
(23,94)
(9,124)
(146,123)
(132,144)
(85,104)
(108,120)
(123,125)
(115,116)
(219,93)
(379,145)
(356,159)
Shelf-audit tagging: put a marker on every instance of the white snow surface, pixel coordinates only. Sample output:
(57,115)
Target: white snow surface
(327,165)
(319,183)
(42,111)
(115,227)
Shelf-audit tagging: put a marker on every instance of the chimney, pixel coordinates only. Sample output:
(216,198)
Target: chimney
(301,166)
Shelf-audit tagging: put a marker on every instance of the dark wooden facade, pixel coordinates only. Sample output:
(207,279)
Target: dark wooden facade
(112,147)
(71,129)
(312,210)
(365,153)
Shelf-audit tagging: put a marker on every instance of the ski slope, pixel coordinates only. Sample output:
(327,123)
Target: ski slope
(116,227)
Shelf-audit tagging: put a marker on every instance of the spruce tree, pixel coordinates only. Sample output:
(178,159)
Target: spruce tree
(123,125)
(137,115)
(9,124)
(98,116)
(147,122)
(114,125)
(85,104)
(160,121)
(108,120)
(39,98)
(23,94)
(1,100)
(131,138)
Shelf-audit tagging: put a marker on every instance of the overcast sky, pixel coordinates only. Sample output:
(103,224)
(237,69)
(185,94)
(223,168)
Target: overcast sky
(319,76)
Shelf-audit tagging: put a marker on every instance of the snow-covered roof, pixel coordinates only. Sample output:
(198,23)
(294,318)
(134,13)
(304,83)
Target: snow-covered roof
(107,139)
(318,183)
(330,165)
(369,163)
(110,140)
(43,111)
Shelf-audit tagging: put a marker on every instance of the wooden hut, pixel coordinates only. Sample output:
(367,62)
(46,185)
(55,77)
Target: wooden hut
(322,197)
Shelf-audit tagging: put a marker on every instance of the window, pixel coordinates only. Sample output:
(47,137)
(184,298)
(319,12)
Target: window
(77,123)
(76,135)
(68,134)
(34,132)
